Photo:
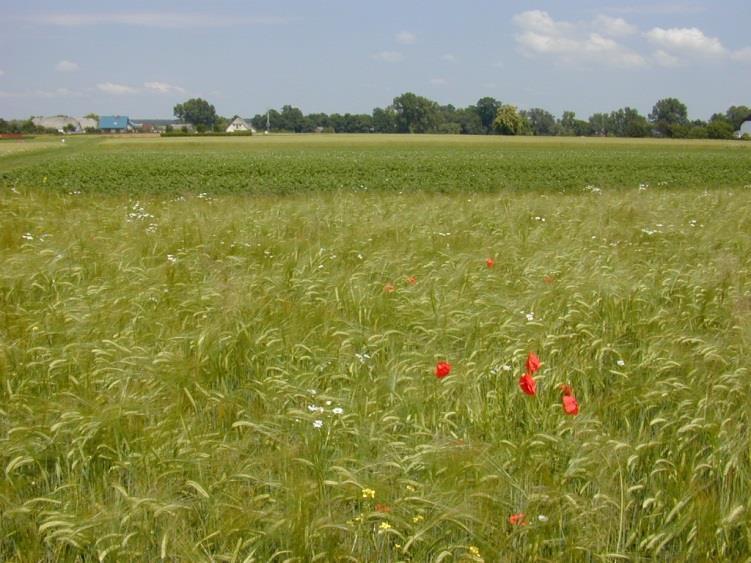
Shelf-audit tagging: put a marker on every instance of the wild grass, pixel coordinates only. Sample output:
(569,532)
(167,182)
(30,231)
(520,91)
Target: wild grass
(230,377)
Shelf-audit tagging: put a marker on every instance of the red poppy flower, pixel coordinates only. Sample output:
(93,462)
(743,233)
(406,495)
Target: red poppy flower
(566,390)
(489,262)
(533,363)
(517,519)
(548,279)
(411,280)
(389,288)
(442,369)
(570,405)
(528,384)
(382,508)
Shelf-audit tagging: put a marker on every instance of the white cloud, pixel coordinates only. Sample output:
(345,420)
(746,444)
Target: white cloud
(576,43)
(617,27)
(66,66)
(742,55)
(686,40)
(172,20)
(116,89)
(449,58)
(663,58)
(406,38)
(163,88)
(388,56)
(438,81)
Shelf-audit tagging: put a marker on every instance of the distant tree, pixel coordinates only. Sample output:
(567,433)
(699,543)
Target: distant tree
(487,110)
(570,126)
(415,114)
(736,115)
(627,122)
(541,122)
(720,128)
(4,126)
(221,124)
(384,120)
(469,121)
(508,121)
(93,116)
(292,119)
(599,124)
(197,112)
(668,114)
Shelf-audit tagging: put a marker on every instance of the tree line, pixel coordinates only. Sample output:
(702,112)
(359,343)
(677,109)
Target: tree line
(410,113)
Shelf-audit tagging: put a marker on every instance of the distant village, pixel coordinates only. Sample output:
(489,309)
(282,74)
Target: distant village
(123,124)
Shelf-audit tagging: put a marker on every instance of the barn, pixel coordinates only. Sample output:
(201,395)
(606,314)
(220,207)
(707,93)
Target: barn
(115,124)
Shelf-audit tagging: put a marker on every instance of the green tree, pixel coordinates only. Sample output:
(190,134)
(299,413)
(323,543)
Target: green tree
(197,112)
(487,110)
(415,114)
(668,115)
(508,121)
(599,124)
(736,115)
(292,119)
(541,122)
(627,122)
(384,120)
(570,126)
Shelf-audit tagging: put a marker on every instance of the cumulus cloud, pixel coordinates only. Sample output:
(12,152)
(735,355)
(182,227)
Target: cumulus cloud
(163,88)
(615,27)
(575,43)
(406,38)
(66,66)
(388,56)
(169,20)
(685,40)
(116,89)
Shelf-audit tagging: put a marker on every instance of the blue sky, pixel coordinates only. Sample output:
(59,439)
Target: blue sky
(140,58)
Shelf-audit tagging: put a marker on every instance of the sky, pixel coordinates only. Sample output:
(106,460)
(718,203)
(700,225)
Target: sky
(140,58)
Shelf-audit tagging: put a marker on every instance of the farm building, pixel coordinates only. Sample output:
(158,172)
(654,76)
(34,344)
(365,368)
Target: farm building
(60,123)
(87,123)
(115,124)
(239,124)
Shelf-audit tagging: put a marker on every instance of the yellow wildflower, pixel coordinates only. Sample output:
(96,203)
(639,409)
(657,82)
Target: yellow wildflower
(383,527)
(418,518)
(368,493)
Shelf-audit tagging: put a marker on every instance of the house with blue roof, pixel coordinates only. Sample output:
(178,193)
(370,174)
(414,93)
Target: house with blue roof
(115,124)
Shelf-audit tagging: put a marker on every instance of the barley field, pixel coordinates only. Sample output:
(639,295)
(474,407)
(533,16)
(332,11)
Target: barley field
(314,349)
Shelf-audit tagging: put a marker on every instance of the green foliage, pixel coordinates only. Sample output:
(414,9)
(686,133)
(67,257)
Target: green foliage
(197,112)
(508,121)
(487,110)
(288,164)
(415,114)
(668,115)
(541,122)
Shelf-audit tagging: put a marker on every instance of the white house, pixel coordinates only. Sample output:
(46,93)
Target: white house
(745,129)
(239,124)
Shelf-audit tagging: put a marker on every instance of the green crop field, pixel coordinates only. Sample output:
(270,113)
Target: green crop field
(226,349)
